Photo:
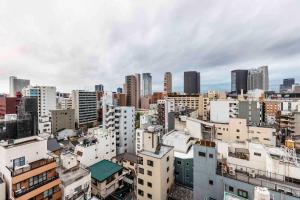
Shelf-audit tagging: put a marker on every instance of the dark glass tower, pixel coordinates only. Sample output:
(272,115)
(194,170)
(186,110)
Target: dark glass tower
(192,82)
(239,81)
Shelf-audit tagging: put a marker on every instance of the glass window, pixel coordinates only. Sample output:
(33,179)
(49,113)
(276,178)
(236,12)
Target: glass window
(243,193)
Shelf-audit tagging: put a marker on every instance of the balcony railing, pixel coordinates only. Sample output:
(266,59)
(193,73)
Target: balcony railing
(30,166)
(272,181)
(22,192)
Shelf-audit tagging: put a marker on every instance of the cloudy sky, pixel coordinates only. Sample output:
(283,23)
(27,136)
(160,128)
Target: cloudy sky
(76,44)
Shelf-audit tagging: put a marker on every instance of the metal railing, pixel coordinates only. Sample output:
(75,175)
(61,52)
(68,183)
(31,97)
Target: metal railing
(27,190)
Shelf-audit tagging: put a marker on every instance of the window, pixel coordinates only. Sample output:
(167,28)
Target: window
(149,173)
(211,155)
(168,158)
(178,162)
(140,181)
(18,186)
(238,130)
(150,163)
(141,170)
(242,193)
(168,169)
(19,161)
(220,134)
(202,154)
(149,196)
(237,137)
(141,192)
(257,154)
(168,180)
(211,182)
(231,189)
(149,184)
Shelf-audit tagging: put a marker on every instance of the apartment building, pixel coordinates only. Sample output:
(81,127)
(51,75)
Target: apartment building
(84,104)
(66,103)
(183,156)
(46,96)
(237,130)
(271,109)
(28,170)
(107,177)
(75,180)
(155,175)
(120,121)
(62,119)
(222,110)
(166,115)
(238,169)
(98,145)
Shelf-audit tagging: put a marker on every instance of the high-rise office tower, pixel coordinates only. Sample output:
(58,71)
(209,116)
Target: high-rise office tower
(287,84)
(168,82)
(258,79)
(239,81)
(192,82)
(132,88)
(146,85)
(99,88)
(16,85)
(85,105)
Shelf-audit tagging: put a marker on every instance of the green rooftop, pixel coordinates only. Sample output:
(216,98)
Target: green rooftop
(104,169)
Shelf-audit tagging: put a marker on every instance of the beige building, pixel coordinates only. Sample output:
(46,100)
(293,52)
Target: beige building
(168,82)
(238,131)
(155,175)
(62,119)
(204,103)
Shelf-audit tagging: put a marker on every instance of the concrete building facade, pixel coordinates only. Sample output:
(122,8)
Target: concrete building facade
(62,119)
(168,82)
(191,82)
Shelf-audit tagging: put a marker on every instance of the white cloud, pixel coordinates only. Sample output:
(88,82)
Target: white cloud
(76,44)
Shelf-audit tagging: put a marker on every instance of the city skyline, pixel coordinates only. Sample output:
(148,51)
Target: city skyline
(47,50)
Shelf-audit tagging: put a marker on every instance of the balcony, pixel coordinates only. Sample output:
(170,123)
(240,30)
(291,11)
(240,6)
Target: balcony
(31,166)
(22,192)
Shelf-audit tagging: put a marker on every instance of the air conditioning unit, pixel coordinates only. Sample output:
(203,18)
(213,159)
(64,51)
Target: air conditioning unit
(232,172)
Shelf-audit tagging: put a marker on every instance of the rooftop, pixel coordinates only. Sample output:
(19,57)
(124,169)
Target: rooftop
(127,156)
(161,151)
(69,176)
(179,139)
(104,169)
(53,145)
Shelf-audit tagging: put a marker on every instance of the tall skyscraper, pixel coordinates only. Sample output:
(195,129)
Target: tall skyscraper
(132,88)
(16,85)
(192,82)
(99,88)
(168,82)
(287,84)
(258,79)
(146,85)
(239,81)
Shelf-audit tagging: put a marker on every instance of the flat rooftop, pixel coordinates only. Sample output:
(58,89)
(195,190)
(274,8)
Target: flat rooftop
(69,176)
(127,156)
(104,169)
(163,150)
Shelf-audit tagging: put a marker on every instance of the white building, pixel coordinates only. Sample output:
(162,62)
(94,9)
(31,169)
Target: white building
(278,163)
(222,110)
(66,103)
(166,109)
(75,180)
(120,121)
(98,145)
(46,96)
(85,105)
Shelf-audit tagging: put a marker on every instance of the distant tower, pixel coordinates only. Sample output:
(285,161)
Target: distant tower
(168,82)
(258,78)
(192,82)
(132,88)
(146,85)
(99,88)
(16,85)
(239,81)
